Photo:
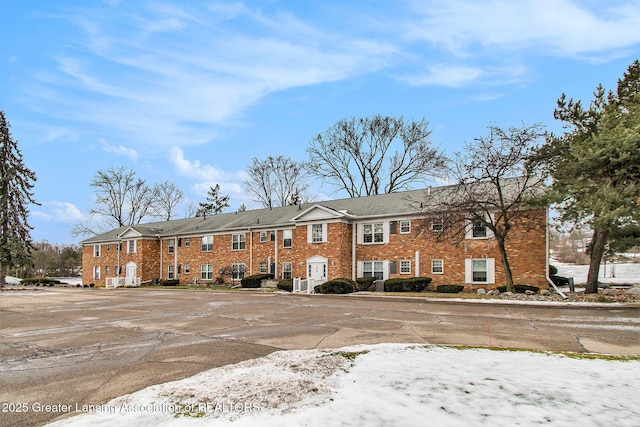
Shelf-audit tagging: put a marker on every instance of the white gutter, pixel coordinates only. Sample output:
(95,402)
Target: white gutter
(546,274)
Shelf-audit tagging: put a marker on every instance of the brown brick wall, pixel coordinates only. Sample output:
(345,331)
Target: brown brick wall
(526,250)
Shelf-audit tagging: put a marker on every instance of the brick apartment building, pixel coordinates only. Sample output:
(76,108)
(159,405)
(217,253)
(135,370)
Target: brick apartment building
(384,236)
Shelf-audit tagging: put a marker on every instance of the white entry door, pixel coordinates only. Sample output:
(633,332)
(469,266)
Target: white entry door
(131,273)
(317,271)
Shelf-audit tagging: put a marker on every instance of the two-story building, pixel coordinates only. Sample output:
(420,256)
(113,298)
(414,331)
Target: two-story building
(383,236)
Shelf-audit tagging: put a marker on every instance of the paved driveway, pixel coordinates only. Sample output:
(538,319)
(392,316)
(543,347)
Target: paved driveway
(86,346)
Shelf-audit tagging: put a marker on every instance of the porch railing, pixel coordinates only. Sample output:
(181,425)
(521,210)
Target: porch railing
(304,285)
(116,282)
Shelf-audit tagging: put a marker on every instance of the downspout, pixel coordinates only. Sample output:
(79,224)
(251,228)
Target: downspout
(175,257)
(546,274)
(275,262)
(160,253)
(250,252)
(353,252)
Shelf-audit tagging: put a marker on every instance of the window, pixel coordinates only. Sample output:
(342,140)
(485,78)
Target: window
(373,233)
(187,269)
(437,226)
(206,272)
(107,270)
(238,242)
(287,238)
(405,227)
(317,233)
(286,270)
(263,268)
(405,266)
(170,272)
(96,272)
(207,244)
(437,266)
(96,251)
(108,247)
(480,270)
(263,236)
(187,241)
(170,244)
(479,230)
(237,271)
(373,269)
(131,247)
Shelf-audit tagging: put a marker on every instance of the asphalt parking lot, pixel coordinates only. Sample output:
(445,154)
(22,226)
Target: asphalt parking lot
(68,346)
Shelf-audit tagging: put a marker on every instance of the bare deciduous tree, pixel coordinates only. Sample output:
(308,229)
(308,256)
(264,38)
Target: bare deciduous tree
(277,181)
(167,197)
(496,184)
(366,156)
(121,199)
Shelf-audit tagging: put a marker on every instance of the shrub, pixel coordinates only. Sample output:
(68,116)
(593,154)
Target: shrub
(336,286)
(286,285)
(553,270)
(364,283)
(520,289)
(172,282)
(411,284)
(449,289)
(255,281)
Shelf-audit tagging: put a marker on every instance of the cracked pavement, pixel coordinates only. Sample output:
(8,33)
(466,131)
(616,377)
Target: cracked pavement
(87,346)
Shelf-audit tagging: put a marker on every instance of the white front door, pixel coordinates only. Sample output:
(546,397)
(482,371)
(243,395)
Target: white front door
(131,272)
(317,271)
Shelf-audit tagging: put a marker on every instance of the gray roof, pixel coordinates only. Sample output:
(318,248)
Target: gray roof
(382,205)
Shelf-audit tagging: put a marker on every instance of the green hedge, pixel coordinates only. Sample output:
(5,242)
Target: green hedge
(553,270)
(40,281)
(255,281)
(449,289)
(172,282)
(286,285)
(336,286)
(364,283)
(520,289)
(410,284)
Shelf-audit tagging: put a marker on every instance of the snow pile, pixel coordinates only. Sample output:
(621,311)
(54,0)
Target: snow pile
(390,385)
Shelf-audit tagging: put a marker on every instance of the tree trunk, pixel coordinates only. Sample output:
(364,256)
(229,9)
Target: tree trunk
(505,265)
(597,250)
(3,274)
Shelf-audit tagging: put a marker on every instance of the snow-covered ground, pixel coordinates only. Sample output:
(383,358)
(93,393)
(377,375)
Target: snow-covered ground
(614,273)
(387,385)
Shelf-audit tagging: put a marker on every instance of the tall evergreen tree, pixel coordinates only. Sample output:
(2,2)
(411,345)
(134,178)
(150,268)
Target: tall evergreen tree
(595,164)
(215,203)
(16,184)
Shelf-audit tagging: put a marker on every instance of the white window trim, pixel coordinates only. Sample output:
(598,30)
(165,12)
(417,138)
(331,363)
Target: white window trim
(202,244)
(385,232)
(170,273)
(238,267)
(284,232)
(400,226)
(400,268)
(263,268)
(238,242)
(284,270)
(202,271)
(171,246)
(491,274)
(385,268)
(263,236)
(310,233)
(432,264)
(131,250)
(469,232)
(96,252)
(440,227)
(96,272)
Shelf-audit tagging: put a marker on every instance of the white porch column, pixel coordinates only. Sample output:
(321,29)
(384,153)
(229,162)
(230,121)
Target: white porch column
(417,263)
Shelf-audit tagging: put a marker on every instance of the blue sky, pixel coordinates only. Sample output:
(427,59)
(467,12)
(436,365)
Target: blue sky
(191,91)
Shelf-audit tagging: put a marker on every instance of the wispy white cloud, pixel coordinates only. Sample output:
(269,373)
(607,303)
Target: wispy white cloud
(119,150)
(57,211)
(559,27)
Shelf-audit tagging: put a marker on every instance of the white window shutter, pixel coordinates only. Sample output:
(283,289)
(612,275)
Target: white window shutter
(359,228)
(325,232)
(385,266)
(468,230)
(491,270)
(385,232)
(468,270)
(310,233)
(360,269)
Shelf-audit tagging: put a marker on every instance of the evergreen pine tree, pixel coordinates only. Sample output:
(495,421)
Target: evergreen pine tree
(215,203)
(595,165)
(16,184)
